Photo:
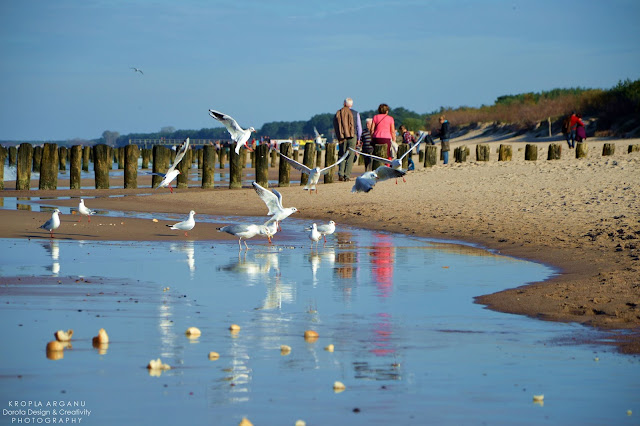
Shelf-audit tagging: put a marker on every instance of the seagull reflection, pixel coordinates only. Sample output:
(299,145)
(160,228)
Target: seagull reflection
(257,265)
(187,248)
(278,292)
(326,257)
(54,250)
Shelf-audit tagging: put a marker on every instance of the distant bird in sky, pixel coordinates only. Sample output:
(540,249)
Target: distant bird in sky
(173,173)
(315,173)
(85,211)
(137,70)
(52,223)
(273,200)
(239,135)
(185,225)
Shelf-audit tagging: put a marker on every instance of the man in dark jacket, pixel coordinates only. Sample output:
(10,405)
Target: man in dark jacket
(445,134)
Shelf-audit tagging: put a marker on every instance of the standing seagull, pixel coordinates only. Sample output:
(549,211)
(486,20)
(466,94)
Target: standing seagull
(239,135)
(173,173)
(245,231)
(185,225)
(326,229)
(315,173)
(314,235)
(85,211)
(137,70)
(273,200)
(52,223)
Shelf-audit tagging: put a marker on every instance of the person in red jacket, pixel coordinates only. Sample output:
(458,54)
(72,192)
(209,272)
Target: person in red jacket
(575,121)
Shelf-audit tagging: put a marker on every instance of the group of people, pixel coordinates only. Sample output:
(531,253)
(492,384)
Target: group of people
(573,129)
(378,130)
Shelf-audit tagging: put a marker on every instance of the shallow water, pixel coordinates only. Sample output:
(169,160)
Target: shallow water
(410,345)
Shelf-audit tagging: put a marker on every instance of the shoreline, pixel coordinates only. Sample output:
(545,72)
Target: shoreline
(581,217)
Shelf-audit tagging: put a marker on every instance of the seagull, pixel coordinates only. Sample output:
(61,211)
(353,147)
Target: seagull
(245,231)
(315,173)
(367,181)
(326,229)
(173,173)
(318,138)
(273,200)
(85,211)
(239,135)
(396,163)
(52,223)
(137,70)
(314,235)
(185,225)
(272,227)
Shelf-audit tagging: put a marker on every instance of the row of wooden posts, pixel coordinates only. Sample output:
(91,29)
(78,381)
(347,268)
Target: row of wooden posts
(49,159)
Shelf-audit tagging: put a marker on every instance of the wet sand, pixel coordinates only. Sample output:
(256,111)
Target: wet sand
(580,216)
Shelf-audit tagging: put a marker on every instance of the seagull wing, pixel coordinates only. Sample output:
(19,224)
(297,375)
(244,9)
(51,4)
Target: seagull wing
(296,165)
(411,148)
(182,150)
(365,183)
(375,157)
(273,200)
(384,173)
(230,123)
(326,169)
(316,132)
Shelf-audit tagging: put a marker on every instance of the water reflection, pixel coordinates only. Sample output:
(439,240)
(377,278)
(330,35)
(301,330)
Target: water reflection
(383,259)
(53,248)
(188,248)
(256,266)
(325,258)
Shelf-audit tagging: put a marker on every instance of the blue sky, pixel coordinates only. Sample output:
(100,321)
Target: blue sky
(65,68)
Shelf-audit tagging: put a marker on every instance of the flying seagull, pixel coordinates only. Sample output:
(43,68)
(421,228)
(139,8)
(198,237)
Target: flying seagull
(315,173)
(396,163)
(367,181)
(172,173)
(239,135)
(137,70)
(273,200)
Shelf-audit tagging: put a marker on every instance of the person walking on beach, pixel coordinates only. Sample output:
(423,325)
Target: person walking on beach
(344,125)
(573,126)
(383,128)
(445,134)
(581,134)
(366,144)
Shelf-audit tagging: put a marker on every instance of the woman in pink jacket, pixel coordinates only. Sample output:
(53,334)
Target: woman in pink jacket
(383,128)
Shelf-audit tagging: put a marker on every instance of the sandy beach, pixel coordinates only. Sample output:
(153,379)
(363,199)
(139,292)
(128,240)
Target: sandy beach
(581,216)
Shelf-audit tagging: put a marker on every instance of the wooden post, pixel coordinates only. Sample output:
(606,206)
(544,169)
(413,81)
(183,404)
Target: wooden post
(37,158)
(75,166)
(131,154)
(555,151)
(244,153)
(222,156)
(483,152)
(86,153)
(330,157)
(13,156)
(531,152)
(24,166)
(549,121)
(430,155)
(308,160)
(608,149)
(505,153)
(208,166)
(420,156)
(284,168)
(262,165)
(184,166)
(582,149)
(402,148)
(273,154)
(460,154)
(379,150)
(161,158)
(102,162)
(119,152)
(49,167)
(235,169)
(146,158)
(200,154)
(633,148)
(62,156)
(3,158)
